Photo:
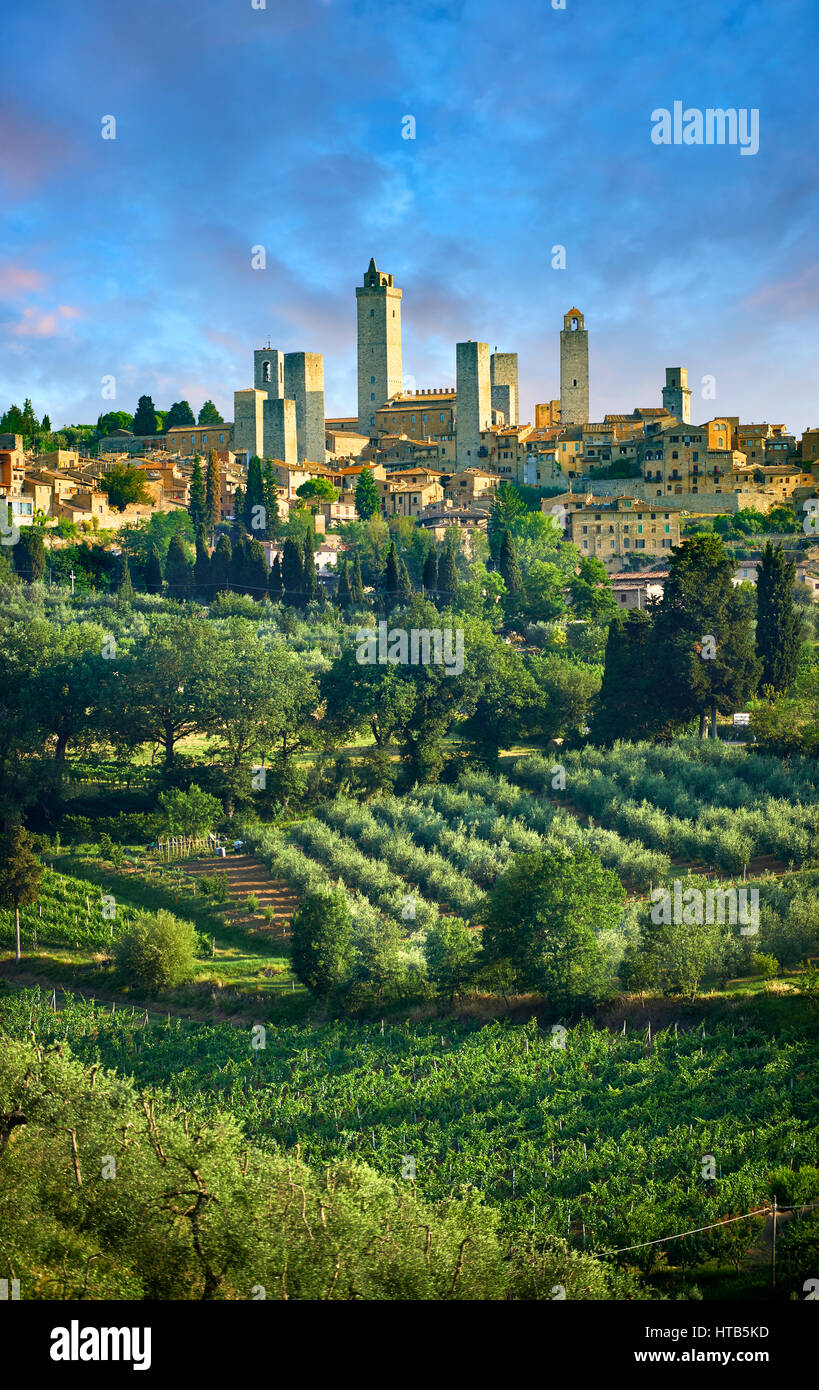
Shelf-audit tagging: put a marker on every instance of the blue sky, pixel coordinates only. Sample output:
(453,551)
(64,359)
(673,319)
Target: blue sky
(281,127)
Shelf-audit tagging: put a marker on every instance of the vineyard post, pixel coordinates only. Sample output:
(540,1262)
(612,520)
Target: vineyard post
(773,1247)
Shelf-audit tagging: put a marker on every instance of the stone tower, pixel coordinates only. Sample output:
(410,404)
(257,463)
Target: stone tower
(304,384)
(474,402)
(380,373)
(503,372)
(574,370)
(268,372)
(248,426)
(676,394)
(281,439)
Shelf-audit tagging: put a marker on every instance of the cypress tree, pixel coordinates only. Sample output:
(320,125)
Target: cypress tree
(125,589)
(310,584)
(366,495)
(213,493)
(238,566)
(447,575)
(153,572)
(201,565)
(196,506)
(178,569)
(254,497)
(430,579)
(255,570)
(508,564)
(29,554)
(292,572)
(145,421)
(343,590)
(274,586)
(221,565)
(271,500)
(357,585)
(627,706)
(389,583)
(778,622)
(238,504)
(404,581)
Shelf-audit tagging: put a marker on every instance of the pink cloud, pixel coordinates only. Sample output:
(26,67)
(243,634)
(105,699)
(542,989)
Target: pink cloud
(792,297)
(17,278)
(32,151)
(36,324)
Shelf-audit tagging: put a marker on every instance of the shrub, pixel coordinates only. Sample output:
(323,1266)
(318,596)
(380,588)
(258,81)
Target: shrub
(764,965)
(158,950)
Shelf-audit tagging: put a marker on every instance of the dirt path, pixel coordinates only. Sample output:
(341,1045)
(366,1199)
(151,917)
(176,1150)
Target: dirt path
(246,875)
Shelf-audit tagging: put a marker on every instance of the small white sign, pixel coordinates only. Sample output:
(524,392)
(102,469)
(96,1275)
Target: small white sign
(742,718)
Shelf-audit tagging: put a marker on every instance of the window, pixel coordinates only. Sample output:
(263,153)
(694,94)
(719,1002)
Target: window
(442,417)
(372,313)
(674,454)
(221,439)
(639,545)
(372,395)
(372,381)
(204,440)
(265,371)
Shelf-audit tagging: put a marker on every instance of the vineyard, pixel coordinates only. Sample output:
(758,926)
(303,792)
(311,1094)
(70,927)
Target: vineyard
(70,912)
(597,1136)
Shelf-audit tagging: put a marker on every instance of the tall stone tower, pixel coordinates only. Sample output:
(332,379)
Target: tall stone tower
(676,394)
(304,384)
(503,372)
(474,402)
(380,373)
(574,370)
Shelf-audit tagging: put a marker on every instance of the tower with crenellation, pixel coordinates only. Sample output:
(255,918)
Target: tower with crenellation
(380,374)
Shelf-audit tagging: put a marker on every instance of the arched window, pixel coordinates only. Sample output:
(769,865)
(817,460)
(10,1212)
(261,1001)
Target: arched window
(265,371)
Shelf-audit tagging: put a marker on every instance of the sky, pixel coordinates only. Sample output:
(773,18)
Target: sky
(281,127)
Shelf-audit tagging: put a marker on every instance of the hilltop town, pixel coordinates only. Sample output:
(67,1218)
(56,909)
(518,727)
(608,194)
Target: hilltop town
(625,488)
